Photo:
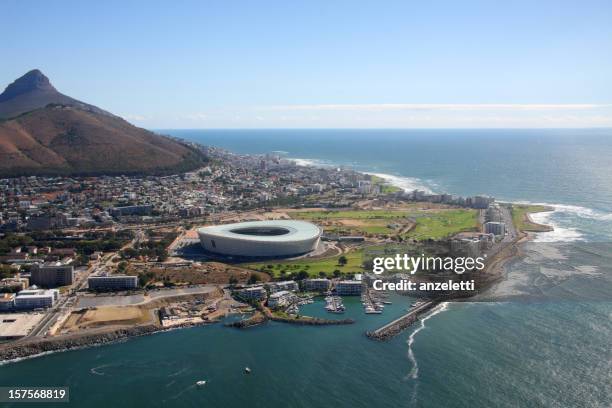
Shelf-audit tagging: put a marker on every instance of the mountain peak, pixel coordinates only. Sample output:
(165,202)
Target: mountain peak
(33,80)
(34,91)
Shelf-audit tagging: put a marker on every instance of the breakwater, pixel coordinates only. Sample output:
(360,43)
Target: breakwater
(17,350)
(398,325)
(262,317)
(312,321)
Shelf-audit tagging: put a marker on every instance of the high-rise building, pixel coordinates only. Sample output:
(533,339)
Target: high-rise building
(316,285)
(496,228)
(36,299)
(52,275)
(112,282)
(348,288)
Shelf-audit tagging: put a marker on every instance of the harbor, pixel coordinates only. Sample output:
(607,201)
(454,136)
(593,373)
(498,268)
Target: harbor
(333,304)
(374,302)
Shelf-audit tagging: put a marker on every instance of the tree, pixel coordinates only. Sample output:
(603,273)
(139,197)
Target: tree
(342,261)
(122,267)
(337,273)
(253,279)
(7,271)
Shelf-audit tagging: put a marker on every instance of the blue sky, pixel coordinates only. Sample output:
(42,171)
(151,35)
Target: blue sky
(266,64)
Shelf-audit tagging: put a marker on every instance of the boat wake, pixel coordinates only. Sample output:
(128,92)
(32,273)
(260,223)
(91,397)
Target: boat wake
(96,370)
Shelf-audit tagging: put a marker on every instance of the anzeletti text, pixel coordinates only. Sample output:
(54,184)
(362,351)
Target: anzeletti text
(406,285)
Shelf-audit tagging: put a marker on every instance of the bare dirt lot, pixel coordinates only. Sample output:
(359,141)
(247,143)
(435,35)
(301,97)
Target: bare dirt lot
(108,316)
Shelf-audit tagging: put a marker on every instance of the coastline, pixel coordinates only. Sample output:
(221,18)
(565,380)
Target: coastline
(21,350)
(562,216)
(13,352)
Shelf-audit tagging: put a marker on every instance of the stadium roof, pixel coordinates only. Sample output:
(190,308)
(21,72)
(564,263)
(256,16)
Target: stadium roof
(265,231)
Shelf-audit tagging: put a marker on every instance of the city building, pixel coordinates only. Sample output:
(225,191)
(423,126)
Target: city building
(36,299)
(252,293)
(348,288)
(291,286)
(112,282)
(52,275)
(316,285)
(496,228)
(280,238)
(131,210)
(280,299)
(365,187)
(7,301)
(480,202)
(494,213)
(466,247)
(14,284)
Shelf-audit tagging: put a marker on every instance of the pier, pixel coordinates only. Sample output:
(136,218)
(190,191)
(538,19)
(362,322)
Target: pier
(396,326)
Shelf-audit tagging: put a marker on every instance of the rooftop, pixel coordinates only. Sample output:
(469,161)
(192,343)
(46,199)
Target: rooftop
(269,231)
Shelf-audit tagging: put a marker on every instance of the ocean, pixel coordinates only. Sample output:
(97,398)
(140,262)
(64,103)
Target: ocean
(540,338)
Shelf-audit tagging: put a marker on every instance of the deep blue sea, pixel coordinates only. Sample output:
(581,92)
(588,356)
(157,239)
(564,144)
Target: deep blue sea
(540,338)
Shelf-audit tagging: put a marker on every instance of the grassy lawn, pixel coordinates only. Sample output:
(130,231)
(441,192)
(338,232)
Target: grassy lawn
(356,221)
(370,226)
(444,223)
(385,187)
(350,214)
(434,224)
(312,266)
(520,220)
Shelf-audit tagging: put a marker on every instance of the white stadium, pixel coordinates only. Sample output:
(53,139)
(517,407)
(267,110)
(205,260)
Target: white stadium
(282,238)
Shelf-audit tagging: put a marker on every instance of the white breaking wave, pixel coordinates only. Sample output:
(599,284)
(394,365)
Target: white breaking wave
(561,232)
(414,372)
(310,162)
(405,183)
(582,212)
(576,210)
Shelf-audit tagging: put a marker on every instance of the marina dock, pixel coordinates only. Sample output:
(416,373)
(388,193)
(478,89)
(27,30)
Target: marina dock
(396,326)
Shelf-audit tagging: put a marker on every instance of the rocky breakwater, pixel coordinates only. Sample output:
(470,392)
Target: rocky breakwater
(26,348)
(398,325)
(311,321)
(264,314)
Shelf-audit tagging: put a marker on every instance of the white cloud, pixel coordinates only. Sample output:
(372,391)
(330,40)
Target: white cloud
(196,116)
(436,107)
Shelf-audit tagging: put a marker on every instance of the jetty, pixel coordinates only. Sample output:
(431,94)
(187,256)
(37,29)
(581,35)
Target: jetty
(396,326)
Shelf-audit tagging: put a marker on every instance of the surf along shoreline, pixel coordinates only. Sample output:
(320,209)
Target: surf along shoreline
(12,352)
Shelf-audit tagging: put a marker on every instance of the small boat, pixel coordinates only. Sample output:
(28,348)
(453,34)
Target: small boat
(247,370)
(201,383)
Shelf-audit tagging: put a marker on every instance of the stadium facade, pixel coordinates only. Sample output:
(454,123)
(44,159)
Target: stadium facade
(269,239)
